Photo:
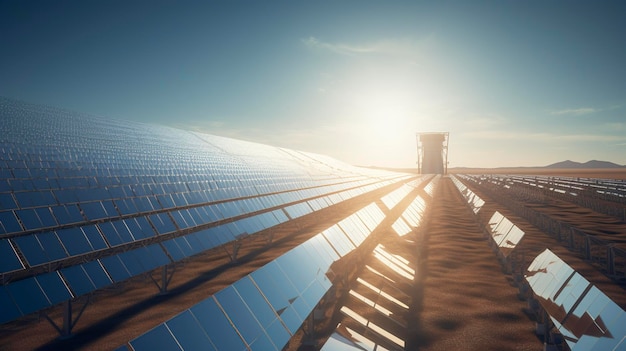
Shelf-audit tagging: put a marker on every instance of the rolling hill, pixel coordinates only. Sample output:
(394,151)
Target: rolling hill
(588,164)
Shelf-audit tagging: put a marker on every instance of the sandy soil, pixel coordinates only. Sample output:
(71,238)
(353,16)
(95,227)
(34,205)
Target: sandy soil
(535,241)
(468,303)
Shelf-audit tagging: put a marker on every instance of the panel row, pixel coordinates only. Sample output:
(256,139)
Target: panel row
(411,218)
(473,200)
(504,233)
(38,292)
(586,317)
(373,309)
(46,247)
(264,309)
(71,212)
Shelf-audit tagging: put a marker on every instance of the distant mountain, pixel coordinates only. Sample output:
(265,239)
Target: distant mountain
(588,164)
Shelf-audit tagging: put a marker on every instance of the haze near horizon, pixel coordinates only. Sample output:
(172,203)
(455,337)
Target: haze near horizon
(515,84)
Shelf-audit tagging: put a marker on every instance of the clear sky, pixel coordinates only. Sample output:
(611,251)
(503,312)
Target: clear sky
(516,83)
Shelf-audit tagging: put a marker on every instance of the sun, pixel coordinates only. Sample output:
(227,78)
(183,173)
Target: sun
(385,114)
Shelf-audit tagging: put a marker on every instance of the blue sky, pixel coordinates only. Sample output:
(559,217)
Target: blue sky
(515,83)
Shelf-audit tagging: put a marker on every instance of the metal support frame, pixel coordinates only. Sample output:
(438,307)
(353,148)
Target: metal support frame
(610,259)
(65,331)
(166,278)
(236,247)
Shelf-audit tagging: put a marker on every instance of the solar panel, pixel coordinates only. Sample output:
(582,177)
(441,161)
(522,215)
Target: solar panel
(586,317)
(9,309)
(430,187)
(9,261)
(473,200)
(393,198)
(373,327)
(346,339)
(87,202)
(504,233)
(263,309)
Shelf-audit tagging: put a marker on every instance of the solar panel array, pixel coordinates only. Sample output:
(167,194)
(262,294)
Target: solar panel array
(609,189)
(377,291)
(504,233)
(473,200)
(601,195)
(264,309)
(586,317)
(393,198)
(430,187)
(346,339)
(604,250)
(380,320)
(411,218)
(87,202)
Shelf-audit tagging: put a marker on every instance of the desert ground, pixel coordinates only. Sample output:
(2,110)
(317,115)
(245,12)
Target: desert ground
(459,297)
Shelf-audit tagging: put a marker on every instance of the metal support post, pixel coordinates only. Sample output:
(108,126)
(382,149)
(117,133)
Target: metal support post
(67,319)
(65,330)
(610,259)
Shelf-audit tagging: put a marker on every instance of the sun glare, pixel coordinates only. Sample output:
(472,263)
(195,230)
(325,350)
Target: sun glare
(384,115)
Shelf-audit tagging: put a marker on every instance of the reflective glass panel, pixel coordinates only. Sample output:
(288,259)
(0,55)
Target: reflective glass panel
(46,218)
(173,250)
(32,250)
(262,343)
(325,250)
(239,313)
(78,280)
(291,319)
(110,233)
(346,339)
(263,277)
(29,218)
(8,223)
(96,273)
(123,231)
(28,295)
(255,301)
(217,326)
(8,307)
(338,240)
(298,267)
(132,263)
(400,227)
(115,268)
(7,202)
(189,334)
(158,255)
(52,246)
(158,338)
(54,288)
(74,241)
(277,332)
(94,236)
(8,257)
(93,210)
(314,293)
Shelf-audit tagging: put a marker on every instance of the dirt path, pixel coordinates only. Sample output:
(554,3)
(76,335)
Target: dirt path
(468,303)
